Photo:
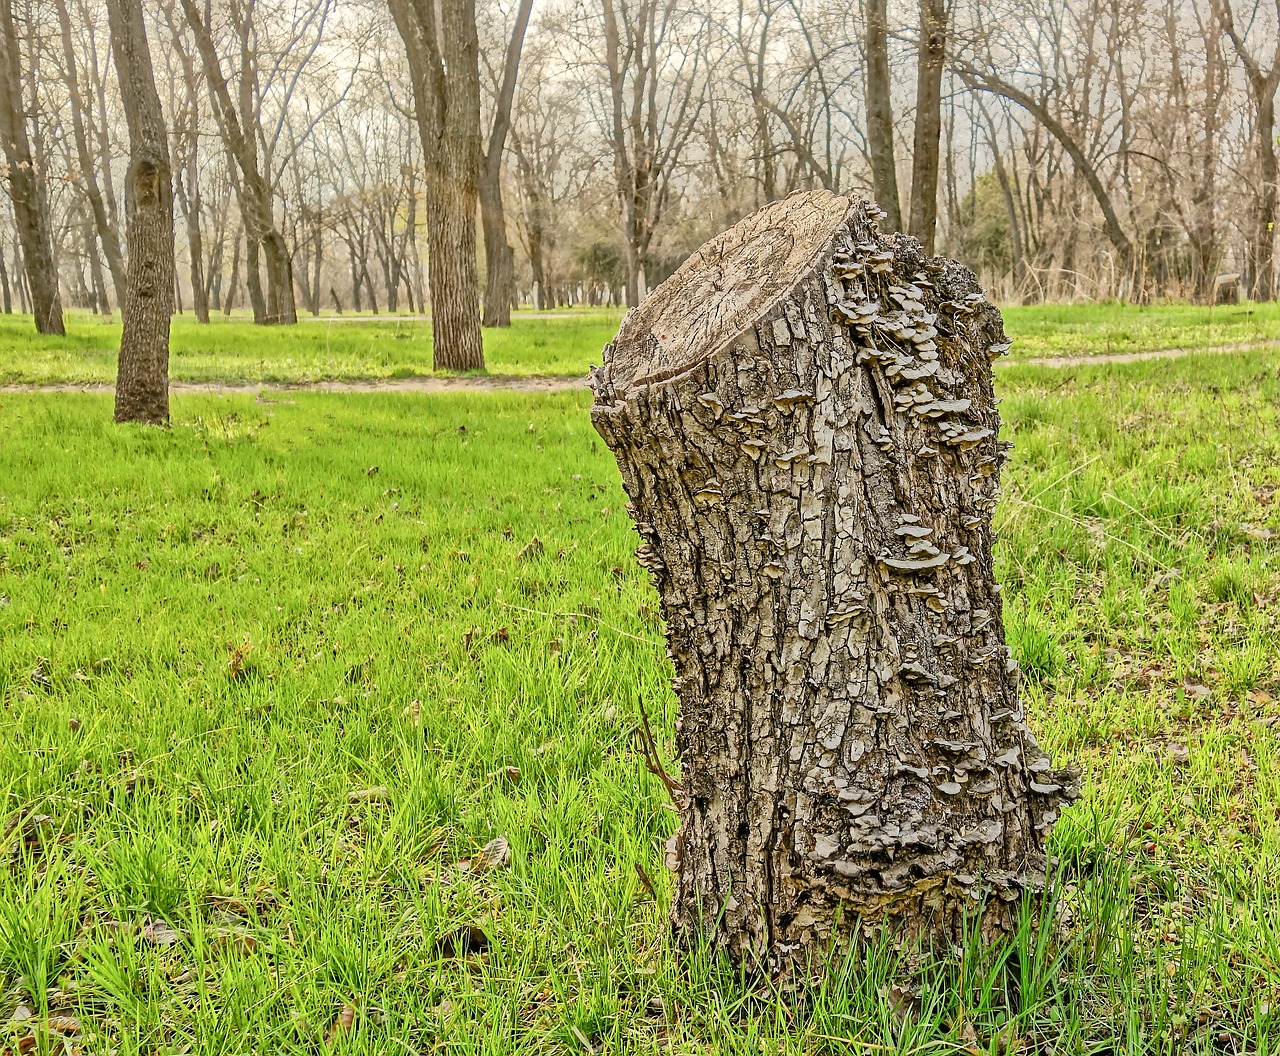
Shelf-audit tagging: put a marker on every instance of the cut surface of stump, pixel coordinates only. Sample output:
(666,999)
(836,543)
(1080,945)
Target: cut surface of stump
(804,419)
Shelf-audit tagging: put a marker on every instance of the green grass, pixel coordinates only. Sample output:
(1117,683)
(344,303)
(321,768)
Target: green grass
(1114,327)
(214,637)
(326,348)
(555,343)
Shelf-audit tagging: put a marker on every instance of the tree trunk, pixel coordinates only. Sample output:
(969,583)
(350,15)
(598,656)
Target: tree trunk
(229,303)
(20,281)
(884,173)
(442,49)
(253,275)
(500,272)
(317,263)
(142,381)
(189,206)
(1265,208)
(26,184)
(813,467)
(282,309)
(4,287)
(101,302)
(932,54)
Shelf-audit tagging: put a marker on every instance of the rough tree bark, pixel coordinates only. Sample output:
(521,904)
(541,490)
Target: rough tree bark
(442,49)
(26,184)
(142,380)
(804,419)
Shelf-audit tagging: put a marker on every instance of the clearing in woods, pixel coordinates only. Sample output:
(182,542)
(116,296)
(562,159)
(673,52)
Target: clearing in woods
(561,344)
(269,678)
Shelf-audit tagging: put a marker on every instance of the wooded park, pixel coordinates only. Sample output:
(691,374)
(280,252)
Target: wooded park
(622,527)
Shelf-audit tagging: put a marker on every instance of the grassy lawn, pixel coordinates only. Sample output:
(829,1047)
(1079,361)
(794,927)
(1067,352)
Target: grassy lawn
(1111,327)
(270,678)
(329,347)
(562,342)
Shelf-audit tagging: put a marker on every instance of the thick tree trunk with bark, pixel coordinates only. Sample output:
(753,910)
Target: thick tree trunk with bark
(142,381)
(26,184)
(804,419)
(442,49)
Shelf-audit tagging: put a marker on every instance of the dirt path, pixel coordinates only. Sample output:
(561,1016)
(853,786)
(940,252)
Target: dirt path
(562,383)
(1138,357)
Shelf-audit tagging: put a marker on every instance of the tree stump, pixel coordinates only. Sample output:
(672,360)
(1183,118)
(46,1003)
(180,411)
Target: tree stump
(804,419)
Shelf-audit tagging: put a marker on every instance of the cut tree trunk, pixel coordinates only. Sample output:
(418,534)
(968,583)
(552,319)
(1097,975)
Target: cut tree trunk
(142,380)
(804,420)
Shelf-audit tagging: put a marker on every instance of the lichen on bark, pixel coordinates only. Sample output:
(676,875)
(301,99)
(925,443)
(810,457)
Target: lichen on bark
(804,419)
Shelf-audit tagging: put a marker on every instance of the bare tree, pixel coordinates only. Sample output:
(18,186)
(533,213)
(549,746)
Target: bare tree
(987,80)
(107,235)
(26,183)
(1263,80)
(553,170)
(655,88)
(142,381)
(499,290)
(239,128)
(185,130)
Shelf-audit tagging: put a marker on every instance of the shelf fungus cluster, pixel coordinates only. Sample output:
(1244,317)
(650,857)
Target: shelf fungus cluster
(804,420)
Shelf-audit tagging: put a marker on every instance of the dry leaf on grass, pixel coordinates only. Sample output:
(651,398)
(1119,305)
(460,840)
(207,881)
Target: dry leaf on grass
(902,1003)
(342,1023)
(64,1024)
(31,830)
(496,854)
(465,942)
(237,941)
(158,933)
